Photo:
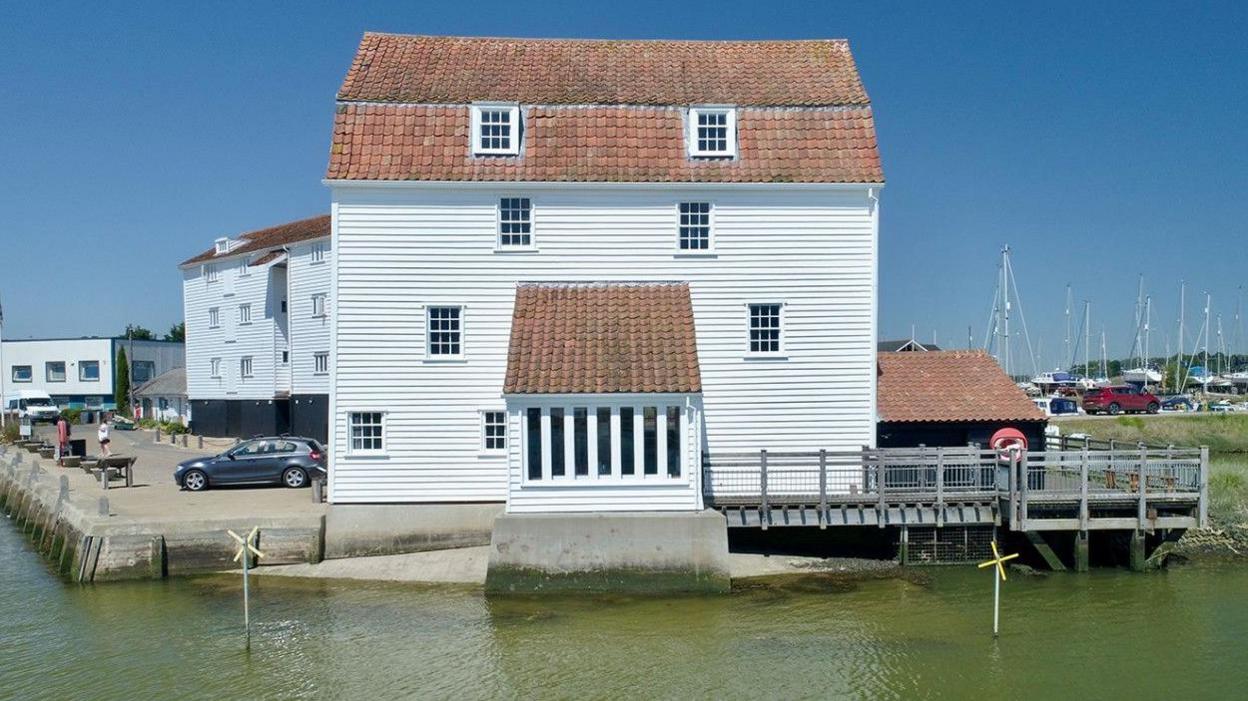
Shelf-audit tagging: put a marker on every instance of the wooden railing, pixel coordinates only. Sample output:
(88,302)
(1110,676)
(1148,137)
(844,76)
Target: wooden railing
(1085,473)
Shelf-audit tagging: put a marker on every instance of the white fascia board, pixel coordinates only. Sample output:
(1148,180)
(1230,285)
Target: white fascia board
(556,185)
(235,256)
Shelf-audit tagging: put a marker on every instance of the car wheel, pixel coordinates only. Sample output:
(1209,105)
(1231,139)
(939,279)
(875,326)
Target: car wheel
(195,481)
(1115,409)
(1153,407)
(294,477)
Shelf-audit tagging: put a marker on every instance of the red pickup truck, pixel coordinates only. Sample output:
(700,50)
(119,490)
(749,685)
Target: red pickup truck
(1115,400)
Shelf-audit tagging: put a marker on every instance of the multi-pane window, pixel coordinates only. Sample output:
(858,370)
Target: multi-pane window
(88,371)
(142,370)
(245,366)
(214,367)
(712,132)
(765,328)
(496,130)
(214,317)
(515,222)
(318,253)
(23,373)
(445,331)
(243,268)
(494,430)
(55,370)
(210,273)
(244,314)
(695,226)
(318,304)
(320,363)
(366,430)
(603,442)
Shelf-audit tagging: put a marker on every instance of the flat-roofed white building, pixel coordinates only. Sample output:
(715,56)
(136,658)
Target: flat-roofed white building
(81,372)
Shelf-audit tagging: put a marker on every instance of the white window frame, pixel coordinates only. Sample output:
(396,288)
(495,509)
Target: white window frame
(221,245)
(364,452)
(319,301)
(782,351)
(710,229)
(617,477)
(214,368)
(317,357)
(511,109)
(484,414)
(731,129)
(82,364)
(211,274)
(244,314)
(436,357)
(244,270)
(499,246)
(214,317)
(47,371)
(318,253)
(246,367)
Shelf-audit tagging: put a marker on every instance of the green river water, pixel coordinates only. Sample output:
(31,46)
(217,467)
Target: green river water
(1178,634)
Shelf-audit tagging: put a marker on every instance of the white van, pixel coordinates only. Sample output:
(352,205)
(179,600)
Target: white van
(32,404)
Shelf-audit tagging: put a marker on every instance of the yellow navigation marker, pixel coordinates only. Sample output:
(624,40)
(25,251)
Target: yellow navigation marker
(245,551)
(998,560)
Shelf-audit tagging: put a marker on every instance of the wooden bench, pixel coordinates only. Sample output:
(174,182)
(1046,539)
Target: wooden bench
(108,466)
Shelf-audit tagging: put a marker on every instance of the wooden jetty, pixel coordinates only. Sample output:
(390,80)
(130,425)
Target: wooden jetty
(1073,485)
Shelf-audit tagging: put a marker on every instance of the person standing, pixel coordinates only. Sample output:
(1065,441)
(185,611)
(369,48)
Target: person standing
(62,440)
(103,435)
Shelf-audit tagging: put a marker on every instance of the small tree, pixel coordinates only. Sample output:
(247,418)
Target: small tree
(138,333)
(177,332)
(121,384)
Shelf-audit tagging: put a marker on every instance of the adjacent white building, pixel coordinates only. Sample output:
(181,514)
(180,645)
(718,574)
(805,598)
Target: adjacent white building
(565,270)
(257,331)
(81,372)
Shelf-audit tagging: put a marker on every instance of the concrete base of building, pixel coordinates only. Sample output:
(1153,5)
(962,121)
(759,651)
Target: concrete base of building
(357,530)
(636,551)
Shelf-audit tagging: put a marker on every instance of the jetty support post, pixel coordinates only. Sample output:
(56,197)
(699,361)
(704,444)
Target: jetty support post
(1203,504)
(1081,551)
(903,548)
(764,513)
(823,488)
(1138,558)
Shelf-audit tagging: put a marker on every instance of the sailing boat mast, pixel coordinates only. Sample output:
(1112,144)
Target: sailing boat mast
(1139,313)
(1087,337)
(1104,357)
(1005,308)
(1148,324)
(1180,385)
(1069,357)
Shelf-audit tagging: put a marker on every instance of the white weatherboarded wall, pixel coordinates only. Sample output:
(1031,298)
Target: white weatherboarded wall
(400,249)
(309,334)
(231,340)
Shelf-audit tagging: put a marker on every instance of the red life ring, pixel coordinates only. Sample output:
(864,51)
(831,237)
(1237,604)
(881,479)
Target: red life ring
(1009,443)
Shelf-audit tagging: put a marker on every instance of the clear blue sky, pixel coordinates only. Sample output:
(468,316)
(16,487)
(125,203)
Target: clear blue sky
(1099,141)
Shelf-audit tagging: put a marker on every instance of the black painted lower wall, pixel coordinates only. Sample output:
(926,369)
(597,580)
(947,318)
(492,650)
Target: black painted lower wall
(303,415)
(905,434)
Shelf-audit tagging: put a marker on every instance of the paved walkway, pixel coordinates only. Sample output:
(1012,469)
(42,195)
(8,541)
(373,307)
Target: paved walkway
(155,497)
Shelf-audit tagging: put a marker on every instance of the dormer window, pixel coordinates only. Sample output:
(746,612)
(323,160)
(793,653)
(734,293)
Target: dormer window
(223,245)
(712,132)
(496,130)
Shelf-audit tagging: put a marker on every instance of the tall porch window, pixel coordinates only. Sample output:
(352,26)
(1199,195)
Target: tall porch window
(645,441)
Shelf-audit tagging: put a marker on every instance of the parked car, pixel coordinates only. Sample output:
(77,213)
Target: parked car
(290,460)
(1120,398)
(1056,406)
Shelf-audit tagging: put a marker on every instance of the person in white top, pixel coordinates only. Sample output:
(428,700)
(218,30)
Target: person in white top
(103,435)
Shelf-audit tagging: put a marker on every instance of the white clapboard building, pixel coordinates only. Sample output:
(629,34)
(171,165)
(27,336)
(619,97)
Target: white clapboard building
(257,311)
(567,269)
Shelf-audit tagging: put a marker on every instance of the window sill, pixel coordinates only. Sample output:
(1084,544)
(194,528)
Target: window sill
(483,454)
(695,254)
(516,249)
(445,360)
(317,262)
(366,456)
(604,482)
(764,357)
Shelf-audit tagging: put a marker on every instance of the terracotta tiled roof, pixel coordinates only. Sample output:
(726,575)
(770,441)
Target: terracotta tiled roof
(603,111)
(596,144)
(431,69)
(267,258)
(949,386)
(602,338)
(264,239)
